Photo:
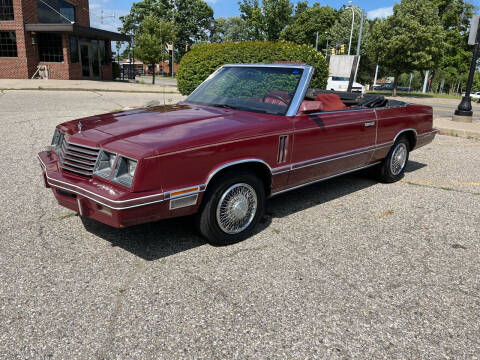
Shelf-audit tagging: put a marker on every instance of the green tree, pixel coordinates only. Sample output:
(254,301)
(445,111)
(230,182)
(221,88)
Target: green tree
(192,19)
(151,38)
(229,29)
(455,17)
(308,22)
(340,31)
(411,39)
(160,9)
(266,21)
(301,7)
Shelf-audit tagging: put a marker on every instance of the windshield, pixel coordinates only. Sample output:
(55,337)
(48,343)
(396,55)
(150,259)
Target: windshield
(338,78)
(267,90)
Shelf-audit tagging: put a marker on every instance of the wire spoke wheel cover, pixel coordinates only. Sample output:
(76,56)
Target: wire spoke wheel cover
(399,159)
(236,208)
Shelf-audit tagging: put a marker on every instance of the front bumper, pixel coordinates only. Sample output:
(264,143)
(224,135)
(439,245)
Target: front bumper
(107,203)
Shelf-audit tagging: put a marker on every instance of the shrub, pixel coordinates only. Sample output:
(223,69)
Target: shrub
(204,59)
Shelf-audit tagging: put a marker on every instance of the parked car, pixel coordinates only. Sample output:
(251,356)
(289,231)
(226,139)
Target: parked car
(337,83)
(247,133)
(389,87)
(473,95)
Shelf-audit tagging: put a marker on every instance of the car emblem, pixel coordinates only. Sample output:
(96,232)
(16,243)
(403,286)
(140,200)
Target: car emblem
(79,125)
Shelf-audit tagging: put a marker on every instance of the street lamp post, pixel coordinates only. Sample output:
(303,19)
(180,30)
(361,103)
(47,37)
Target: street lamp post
(464,111)
(351,31)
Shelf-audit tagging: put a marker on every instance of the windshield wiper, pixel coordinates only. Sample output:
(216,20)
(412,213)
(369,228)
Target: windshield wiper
(225,106)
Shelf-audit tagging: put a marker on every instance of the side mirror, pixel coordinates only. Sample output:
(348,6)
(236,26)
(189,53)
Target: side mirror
(309,107)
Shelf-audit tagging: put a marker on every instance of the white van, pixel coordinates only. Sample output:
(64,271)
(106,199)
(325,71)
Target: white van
(338,83)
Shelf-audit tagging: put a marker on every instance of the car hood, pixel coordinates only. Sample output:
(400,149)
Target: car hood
(162,129)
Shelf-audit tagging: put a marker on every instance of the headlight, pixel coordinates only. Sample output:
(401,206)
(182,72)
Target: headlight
(104,164)
(57,139)
(125,171)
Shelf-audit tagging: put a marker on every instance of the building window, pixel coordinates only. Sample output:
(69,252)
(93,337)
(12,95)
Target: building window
(74,58)
(55,12)
(8,44)
(50,47)
(6,10)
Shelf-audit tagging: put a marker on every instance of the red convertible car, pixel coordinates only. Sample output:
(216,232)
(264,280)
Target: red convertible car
(247,133)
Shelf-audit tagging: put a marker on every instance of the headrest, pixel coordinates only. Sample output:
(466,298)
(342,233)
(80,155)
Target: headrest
(331,102)
(308,107)
(275,94)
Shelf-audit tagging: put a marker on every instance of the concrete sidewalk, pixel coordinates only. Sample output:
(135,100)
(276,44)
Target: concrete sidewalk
(446,126)
(84,85)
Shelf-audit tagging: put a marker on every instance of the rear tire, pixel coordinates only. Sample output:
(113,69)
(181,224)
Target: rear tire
(233,205)
(392,168)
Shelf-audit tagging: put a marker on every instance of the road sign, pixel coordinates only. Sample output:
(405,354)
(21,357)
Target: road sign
(473,38)
(170,47)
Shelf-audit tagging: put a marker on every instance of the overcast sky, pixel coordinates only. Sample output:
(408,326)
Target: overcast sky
(112,9)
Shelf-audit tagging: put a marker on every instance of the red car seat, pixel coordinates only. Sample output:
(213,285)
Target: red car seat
(331,102)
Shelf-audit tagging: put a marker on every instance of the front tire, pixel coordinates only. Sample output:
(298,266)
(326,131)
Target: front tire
(233,206)
(393,166)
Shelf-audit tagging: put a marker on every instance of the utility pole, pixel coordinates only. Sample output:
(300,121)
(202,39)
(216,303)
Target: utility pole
(316,43)
(376,75)
(173,62)
(425,82)
(360,34)
(326,49)
(410,84)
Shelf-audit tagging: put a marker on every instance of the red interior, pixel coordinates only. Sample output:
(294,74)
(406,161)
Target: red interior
(331,102)
(308,107)
(277,97)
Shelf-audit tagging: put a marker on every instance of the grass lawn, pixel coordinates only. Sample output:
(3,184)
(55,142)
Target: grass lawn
(415,94)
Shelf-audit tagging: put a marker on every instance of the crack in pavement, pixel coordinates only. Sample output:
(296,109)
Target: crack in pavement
(117,307)
(107,101)
(440,187)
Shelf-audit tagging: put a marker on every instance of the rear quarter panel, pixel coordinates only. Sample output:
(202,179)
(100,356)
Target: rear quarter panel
(393,121)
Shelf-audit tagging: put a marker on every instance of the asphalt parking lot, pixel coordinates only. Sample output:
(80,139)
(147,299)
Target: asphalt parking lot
(344,269)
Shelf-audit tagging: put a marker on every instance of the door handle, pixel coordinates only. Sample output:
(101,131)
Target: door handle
(369,124)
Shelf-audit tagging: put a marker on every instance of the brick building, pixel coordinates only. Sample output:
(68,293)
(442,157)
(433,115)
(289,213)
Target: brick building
(55,34)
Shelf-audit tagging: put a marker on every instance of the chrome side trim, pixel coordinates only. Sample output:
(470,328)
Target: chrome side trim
(403,131)
(323,179)
(244,161)
(429,133)
(333,159)
(336,156)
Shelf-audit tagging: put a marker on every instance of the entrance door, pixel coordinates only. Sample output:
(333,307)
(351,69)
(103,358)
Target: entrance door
(85,61)
(90,57)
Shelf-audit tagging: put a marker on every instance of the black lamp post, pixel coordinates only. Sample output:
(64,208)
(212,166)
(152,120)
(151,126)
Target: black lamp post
(464,110)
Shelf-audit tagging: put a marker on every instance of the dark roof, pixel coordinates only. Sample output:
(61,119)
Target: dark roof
(78,30)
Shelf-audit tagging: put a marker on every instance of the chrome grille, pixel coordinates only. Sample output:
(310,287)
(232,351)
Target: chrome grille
(79,159)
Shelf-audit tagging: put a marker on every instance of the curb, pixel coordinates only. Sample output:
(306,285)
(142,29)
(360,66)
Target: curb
(92,90)
(466,134)
(446,126)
